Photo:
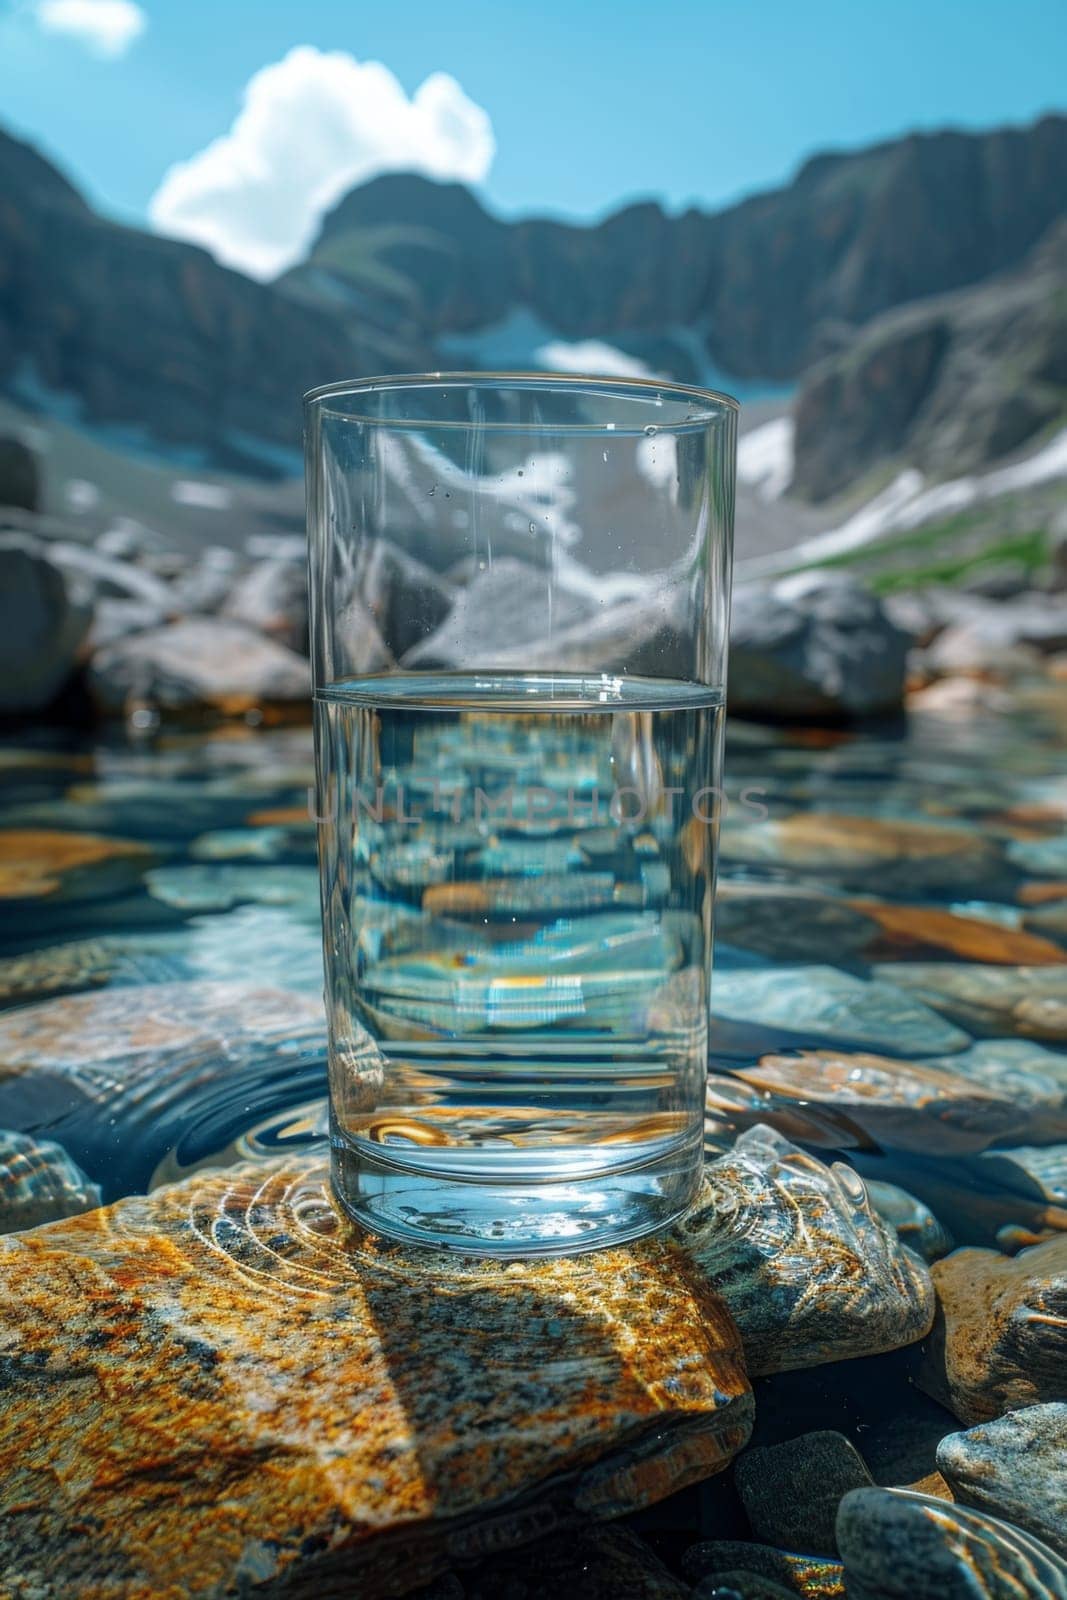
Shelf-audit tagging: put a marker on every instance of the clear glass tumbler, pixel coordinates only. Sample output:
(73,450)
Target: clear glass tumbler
(520,599)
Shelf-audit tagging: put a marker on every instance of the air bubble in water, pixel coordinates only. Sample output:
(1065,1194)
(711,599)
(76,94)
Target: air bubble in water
(520,472)
(651,431)
(533,527)
(604,454)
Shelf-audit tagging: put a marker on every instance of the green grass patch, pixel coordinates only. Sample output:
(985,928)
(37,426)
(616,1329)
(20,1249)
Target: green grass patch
(1030,550)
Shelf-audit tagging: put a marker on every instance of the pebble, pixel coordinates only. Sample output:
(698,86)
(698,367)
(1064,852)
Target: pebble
(791,1491)
(1027,1001)
(898,1545)
(1000,1339)
(1016,1468)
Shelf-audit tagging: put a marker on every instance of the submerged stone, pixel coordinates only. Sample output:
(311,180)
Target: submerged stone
(320,1408)
(903,1105)
(1016,1468)
(868,852)
(219,887)
(1000,1339)
(39,1183)
(785,923)
(814,1577)
(1031,1001)
(809,1270)
(899,1544)
(51,865)
(972,938)
(915,1224)
(791,1491)
(126,1059)
(829,1004)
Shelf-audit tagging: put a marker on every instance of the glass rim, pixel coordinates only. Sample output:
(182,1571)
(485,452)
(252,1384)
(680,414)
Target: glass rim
(714,403)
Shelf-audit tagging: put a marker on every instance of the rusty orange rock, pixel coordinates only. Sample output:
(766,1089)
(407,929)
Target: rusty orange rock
(226,1384)
(973,938)
(43,863)
(1000,1338)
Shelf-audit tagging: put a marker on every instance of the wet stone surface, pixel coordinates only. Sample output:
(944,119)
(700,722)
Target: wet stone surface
(221,1386)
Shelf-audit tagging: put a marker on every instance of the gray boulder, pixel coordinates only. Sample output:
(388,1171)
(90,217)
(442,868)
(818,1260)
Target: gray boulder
(814,645)
(1016,1468)
(273,598)
(197,662)
(511,604)
(44,618)
(407,600)
(20,480)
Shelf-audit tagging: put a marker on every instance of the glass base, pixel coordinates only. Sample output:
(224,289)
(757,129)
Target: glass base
(513,1218)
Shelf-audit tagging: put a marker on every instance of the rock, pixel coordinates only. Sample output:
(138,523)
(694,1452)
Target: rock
(915,1224)
(809,1270)
(240,844)
(946,385)
(197,662)
(829,1004)
(272,598)
(783,923)
(510,603)
(44,864)
(407,600)
(1049,919)
(817,644)
(20,477)
(123,1061)
(44,620)
(1000,1339)
(791,1491)
(899,1544)
(901,1105)
(1031,1001)
(319,1405)
(965,647)
(1015,1468)
(972,938)
(814,1577)
(1036,1170)
(219,887)
(960,697)
(115,619)
(998,580)
(39,1183)
(870,854)
(596,1563)
(1043,858)
(1032,1076)
(206,584)
(56,969)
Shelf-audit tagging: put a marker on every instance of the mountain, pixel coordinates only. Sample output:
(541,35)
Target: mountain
(157,350)
(760,289)
(945,385)
(149,337)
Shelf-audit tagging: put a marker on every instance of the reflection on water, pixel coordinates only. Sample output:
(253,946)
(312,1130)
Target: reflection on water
(161,978)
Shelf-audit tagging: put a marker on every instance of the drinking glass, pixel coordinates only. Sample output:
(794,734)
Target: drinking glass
(519,610)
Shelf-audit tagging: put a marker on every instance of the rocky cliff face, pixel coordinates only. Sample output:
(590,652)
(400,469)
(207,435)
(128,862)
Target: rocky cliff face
(768,284)
(146,333)
(152,336)
(946,385)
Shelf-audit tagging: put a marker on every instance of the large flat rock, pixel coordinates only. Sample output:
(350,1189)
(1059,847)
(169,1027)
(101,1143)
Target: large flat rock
(227,1385)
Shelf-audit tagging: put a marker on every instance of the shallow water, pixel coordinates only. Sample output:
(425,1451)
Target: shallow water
(938,841)
(890,992)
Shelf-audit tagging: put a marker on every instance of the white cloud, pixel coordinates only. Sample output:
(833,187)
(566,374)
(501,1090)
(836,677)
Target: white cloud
(311,126)
(106,27)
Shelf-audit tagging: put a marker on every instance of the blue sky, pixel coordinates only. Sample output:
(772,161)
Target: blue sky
(567,108)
